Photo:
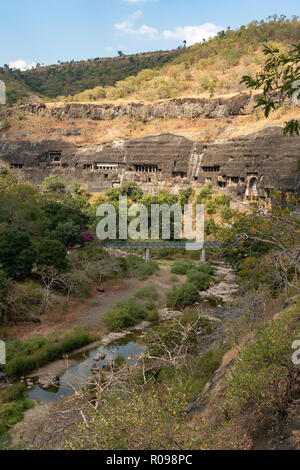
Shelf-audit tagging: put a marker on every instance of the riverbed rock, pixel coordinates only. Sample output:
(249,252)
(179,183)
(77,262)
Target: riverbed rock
(47,381)
(100,356)
(169,314)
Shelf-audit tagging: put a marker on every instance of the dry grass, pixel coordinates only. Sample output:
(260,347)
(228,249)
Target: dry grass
(92,132)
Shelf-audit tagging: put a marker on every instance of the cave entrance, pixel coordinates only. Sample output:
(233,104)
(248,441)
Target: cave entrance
(252,192)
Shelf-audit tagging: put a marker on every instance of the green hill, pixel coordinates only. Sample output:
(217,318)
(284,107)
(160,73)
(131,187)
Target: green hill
(75,77)
(210,67)
(16,89)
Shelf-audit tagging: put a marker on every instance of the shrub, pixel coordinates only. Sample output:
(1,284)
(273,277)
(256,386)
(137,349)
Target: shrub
(148,292)
(27,296)
(10,414)
(223,200)
(78,283)
(181,267)
(124,315)
(140,268)
(12,393)
(205,268)
(185,195)
(170,338)
(226,213)
(211,207)
(4,124)
(182,296)
(152,312)
(198,279)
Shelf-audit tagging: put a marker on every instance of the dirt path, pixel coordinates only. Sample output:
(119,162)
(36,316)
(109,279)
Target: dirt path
(88,312)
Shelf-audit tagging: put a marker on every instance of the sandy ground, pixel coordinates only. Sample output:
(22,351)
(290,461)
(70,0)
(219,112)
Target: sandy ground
(88,312)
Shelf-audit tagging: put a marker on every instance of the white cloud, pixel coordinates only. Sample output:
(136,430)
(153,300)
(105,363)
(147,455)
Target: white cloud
(136,14)
(193,34)
(21,64)
(127,27)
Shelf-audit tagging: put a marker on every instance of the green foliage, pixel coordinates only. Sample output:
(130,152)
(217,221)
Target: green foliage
(260,365)
(199,279)
(147,292)
(139,268)
(4,124)
(17,254)
(124,315)
(152,312)
(23,357)
(237,247)
(10,414)
(185,195)
(153,76)
(12,393)
(226,213)
(66,233)
(205,194)
(182,296)
(51,253)
(53,184)
(7,178)
(74,77)
(278,78)
(182,266)
(16,89)
(207,84)
(211,227)
(154,419)
(132,191)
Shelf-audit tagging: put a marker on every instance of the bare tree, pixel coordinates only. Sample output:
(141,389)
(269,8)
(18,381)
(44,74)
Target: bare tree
(51,279)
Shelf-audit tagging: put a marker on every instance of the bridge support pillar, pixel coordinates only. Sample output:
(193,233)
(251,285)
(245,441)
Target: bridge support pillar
(203,256)
(147,255)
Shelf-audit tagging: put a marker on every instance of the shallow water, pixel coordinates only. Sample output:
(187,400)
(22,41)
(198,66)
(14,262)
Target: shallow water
(129,348)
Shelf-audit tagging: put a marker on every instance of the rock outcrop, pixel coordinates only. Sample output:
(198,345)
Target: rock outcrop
(249,166)
(181,108)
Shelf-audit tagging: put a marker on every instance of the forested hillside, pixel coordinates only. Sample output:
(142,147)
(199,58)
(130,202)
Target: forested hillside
(211,67)
(74,77)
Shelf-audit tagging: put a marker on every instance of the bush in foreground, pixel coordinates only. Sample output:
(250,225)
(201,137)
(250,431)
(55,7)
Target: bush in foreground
(182,267)
(182,296)
(139,268)
(129,313)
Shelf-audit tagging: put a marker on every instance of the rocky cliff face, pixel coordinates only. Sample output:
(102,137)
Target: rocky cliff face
(190,108)
(249,166)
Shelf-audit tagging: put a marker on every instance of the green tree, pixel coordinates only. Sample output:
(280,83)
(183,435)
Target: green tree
(131,190)
(67,233)
(17,254)
(280,80)
(53,184)
(51,253)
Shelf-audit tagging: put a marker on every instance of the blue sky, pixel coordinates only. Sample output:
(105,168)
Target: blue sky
(46,31)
